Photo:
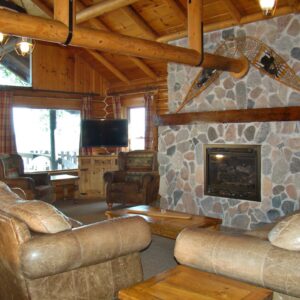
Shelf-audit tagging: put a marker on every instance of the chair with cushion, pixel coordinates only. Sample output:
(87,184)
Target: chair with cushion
(42,255)
(136,181)
(35,185)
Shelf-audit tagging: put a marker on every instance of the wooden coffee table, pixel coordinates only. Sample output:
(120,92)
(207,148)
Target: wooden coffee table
(190,284)
(167,224)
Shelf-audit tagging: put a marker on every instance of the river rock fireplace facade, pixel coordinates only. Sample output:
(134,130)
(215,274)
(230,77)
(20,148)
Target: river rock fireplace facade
(232,171)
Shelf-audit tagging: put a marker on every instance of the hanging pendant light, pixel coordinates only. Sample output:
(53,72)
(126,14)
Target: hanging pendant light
(268,6)
(25,47)
(3,39)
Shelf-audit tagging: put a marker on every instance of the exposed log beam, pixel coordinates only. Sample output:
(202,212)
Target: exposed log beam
(235,13)
(101,8)
(177,10)
(232,116)
(61,11)
(54,31)
(140,22)
(44,8)
(109,65)
(195,25)
(97,24)
(225,24)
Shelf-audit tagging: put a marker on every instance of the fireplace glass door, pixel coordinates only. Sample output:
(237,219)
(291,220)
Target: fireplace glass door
(233,171)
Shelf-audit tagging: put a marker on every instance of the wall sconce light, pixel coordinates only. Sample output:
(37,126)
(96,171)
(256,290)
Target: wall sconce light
(268,6)
(3,39)
(25,47)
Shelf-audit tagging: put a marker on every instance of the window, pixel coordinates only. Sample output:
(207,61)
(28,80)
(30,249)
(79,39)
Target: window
(136,128)
(47,139)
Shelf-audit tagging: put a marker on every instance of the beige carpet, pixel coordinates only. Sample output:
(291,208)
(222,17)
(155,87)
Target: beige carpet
(157,258)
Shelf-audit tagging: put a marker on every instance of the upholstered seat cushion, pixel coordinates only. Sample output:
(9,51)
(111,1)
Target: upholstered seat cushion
(125,187)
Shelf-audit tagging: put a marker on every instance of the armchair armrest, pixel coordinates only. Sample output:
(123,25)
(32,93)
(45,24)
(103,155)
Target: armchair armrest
(114,176)
(39,178)
(25,183)
(83,246)
(241,257)
(148,177)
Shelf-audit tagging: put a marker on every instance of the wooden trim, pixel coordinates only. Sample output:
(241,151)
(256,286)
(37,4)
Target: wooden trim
(101,8)
(232,116)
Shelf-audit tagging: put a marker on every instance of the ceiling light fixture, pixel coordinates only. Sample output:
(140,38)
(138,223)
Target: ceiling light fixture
(268,6)
(24,47)
(3,39)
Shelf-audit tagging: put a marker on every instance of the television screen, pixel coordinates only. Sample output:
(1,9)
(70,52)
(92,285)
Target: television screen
(104,133)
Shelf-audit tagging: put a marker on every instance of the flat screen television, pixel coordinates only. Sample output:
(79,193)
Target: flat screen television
(104,133)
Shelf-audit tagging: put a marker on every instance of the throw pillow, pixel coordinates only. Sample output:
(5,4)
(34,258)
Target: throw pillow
(38,215)
(286,234)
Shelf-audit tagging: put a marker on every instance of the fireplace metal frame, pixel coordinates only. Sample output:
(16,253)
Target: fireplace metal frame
(238,149)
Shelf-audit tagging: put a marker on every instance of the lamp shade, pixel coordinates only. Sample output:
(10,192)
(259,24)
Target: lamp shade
(268,6)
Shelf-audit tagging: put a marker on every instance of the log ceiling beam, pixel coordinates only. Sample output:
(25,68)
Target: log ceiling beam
(108,65)
(234,12)
(56,32)
(280,11)
(101,8)
(61,11)
(140,22)
(43,7)
(97,24)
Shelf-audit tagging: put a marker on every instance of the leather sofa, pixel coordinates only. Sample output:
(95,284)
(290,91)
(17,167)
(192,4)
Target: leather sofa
(136,181)
(247,257)
(35,185)
(44,256)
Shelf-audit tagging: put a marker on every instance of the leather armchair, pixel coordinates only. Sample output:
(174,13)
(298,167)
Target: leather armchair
(136,181)
(35,185)
(242,257)
(88,262)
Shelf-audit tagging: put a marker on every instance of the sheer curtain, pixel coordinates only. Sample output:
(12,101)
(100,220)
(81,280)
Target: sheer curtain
(85,115)
(7,133)
(150,129)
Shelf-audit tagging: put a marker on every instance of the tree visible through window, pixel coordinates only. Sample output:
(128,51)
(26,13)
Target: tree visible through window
(47,139)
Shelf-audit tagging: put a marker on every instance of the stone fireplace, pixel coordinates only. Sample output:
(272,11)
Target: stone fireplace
(232,171)
(181,147)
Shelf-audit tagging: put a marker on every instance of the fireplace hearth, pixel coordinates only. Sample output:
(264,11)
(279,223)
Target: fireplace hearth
(232,171)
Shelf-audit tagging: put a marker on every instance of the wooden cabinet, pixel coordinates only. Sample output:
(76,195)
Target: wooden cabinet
(91,171)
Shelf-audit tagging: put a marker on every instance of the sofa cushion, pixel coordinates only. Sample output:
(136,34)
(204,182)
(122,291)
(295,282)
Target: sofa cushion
(286,233)
(38,215)
(6,194)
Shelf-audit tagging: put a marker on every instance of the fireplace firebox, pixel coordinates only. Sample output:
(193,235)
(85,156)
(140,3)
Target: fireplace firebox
(232,171)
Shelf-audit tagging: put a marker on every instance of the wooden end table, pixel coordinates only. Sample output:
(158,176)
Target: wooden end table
(65,186)
(167,224)
(190,284)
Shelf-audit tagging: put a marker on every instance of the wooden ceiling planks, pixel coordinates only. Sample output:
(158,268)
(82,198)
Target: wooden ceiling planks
(154,19)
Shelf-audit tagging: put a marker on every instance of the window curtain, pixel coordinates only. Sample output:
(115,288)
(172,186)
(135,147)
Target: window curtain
(150,129)
(7,132)
(85,115)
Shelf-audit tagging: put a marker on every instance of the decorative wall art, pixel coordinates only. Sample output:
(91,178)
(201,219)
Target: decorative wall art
(260,55)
